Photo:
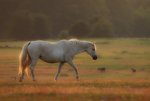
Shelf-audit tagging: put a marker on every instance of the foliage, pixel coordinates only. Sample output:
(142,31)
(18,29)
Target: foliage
(26,25)
(64,34)
(80,29)
(142,22)
(101,27)
(29,19)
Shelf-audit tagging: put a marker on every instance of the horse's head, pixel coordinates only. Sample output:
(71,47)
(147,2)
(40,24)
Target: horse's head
(91,50)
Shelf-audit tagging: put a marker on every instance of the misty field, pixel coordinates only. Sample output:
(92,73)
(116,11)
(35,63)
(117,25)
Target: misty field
(117,83)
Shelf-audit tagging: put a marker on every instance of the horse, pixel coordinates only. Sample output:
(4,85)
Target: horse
(53,52)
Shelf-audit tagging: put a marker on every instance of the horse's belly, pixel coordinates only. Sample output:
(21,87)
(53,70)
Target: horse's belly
(51,60)
(53,57)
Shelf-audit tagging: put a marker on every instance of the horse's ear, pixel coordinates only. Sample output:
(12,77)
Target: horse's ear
(92,43)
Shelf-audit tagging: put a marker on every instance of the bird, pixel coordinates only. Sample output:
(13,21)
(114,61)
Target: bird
(133,70)
(102,69)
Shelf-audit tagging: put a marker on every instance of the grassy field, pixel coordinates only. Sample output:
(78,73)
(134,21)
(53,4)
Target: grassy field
(117,83)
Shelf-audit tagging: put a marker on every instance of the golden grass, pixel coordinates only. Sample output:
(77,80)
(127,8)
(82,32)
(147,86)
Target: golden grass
(98,89)
(118,83)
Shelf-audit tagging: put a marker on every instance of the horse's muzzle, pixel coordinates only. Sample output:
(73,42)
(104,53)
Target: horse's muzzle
(94,57)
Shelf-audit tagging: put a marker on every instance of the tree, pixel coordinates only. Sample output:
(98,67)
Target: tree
(121,16)
(142,23)
(27,25)
(101,27)
(22,25)
(40,27)
(80,29)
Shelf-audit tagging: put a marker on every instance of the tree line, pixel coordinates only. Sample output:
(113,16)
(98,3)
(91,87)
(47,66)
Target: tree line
(41,19)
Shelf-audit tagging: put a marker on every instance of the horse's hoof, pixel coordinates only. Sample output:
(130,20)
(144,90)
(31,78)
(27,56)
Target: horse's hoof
(77,78)
(20,80)
(34,80)
(55,80)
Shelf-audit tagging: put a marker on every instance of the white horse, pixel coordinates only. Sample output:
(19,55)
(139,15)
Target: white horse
(62,52)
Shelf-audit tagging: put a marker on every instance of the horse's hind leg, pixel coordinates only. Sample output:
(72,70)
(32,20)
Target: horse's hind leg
(34,61)
(21,77)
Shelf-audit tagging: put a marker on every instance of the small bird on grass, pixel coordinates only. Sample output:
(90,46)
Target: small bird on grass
(102,69)
(133,70)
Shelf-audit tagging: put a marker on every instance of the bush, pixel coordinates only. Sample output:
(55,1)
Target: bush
(64,34)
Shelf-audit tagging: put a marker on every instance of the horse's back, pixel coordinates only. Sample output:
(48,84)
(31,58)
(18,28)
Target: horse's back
(47,51)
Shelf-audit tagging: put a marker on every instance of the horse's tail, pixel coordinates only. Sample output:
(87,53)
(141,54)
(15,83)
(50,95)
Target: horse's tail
(24,60)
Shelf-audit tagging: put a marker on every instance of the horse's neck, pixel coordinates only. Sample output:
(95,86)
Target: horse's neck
(78,48)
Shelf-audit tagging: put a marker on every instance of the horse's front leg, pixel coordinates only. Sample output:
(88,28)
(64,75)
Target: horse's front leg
(74,67)
(59,68)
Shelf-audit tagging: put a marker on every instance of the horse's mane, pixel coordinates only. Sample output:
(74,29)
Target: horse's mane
(75,41)
(78,42)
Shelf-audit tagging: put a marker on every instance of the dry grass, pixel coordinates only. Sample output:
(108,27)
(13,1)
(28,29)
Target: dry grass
(118,83)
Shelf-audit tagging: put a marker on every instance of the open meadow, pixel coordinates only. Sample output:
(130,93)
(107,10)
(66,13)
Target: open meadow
(117,83)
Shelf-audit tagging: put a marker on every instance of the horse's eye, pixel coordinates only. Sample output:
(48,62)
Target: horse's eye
(93,49)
